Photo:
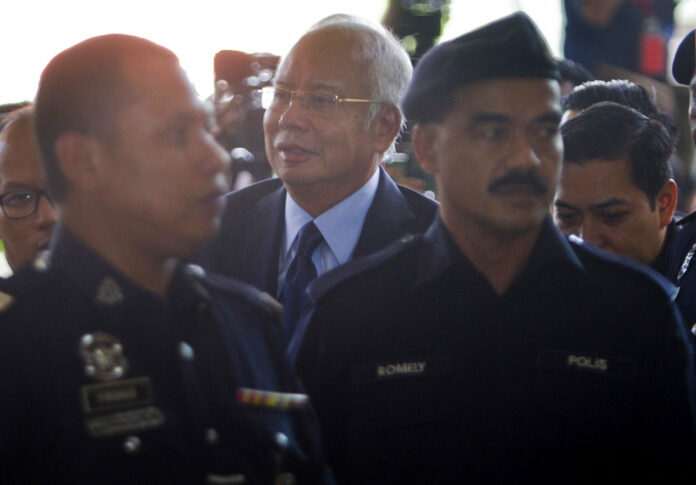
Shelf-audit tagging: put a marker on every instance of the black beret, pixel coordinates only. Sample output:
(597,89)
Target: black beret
(507,48)
(683,64)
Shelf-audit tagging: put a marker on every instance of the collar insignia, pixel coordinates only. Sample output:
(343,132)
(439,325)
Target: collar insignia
(109,293)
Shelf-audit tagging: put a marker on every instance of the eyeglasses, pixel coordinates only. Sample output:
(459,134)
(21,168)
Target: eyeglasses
(274,98)
(17,204)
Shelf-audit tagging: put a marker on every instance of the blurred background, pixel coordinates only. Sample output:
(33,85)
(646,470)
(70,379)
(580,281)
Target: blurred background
(231,48)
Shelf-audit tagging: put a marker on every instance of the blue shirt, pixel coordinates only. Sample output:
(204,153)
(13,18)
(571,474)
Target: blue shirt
(340,226)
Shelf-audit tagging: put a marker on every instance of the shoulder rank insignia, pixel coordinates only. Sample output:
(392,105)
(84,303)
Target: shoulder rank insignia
(6,301)
(270,399)
(103,356)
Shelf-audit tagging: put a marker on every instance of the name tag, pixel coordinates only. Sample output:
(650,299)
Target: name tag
(124,422)
(587,362)
(122,394)
(407,368)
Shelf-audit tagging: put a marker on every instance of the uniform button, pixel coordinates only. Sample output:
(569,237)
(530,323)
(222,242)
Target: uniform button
(281,441)
(693,329)
(195,270)
(285,479)
(202,306)
(41,264)
(131,444)
(185,351)
(211,436)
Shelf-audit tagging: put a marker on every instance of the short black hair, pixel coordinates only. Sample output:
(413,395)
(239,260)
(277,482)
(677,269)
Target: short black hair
(619,91)
(80,90)
(610,131)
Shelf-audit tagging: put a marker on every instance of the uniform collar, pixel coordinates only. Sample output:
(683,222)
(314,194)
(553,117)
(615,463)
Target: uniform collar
(550,250)
(104,283)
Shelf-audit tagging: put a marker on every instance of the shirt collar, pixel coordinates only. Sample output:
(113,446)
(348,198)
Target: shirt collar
(105,283)
(550,249)
(340,226)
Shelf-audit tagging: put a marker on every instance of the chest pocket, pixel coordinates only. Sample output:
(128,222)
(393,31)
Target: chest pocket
(583,386)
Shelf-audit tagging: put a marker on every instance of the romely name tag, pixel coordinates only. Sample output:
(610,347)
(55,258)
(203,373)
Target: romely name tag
(402,369)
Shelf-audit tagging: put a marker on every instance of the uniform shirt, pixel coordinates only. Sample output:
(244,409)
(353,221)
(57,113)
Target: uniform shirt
(340,226)
(681,271)
(421,372)
(105,382)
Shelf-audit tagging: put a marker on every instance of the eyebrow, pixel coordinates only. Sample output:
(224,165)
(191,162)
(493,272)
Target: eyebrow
(316,85)
(489,117)
(564,205)
(550,117)
(608,203)
(493,117)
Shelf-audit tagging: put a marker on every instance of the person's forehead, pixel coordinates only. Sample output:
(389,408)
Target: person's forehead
(161,87)
(20,160)
(322,60)
(517,97)
(597,180)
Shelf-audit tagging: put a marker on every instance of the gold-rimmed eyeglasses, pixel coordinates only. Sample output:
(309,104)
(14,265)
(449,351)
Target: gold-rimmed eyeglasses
(273,98)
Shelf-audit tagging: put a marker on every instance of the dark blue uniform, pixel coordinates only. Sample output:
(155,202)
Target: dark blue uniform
(681,271)
(104,382)
(421,373)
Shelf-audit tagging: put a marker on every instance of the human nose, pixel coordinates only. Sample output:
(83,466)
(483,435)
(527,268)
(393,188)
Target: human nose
(294,114)
(522,152)
(215,157)
(45,212)
(592,233)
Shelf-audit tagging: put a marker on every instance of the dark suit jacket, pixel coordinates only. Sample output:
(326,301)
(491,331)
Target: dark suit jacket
(248,244)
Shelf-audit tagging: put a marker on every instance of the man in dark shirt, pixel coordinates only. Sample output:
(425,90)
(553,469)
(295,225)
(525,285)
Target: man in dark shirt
(492,349)
(120,365)
(616,189)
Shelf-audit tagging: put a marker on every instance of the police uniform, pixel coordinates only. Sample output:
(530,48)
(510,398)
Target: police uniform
(681,272)
(104,382)
(421,373)
(681,260)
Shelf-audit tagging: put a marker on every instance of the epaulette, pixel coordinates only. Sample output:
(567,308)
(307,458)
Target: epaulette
(622,264)
(227,285)
(25,282)
(332,279)
(686,219)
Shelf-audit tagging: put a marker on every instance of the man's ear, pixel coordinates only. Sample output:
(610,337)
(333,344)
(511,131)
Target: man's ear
(386,127)
(76,155)
(423,140)
(667,202)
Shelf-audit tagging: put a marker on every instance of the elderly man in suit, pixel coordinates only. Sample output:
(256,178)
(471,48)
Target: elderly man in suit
(332,115)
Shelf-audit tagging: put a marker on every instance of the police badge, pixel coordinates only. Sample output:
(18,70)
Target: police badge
(103,356)
(114,405)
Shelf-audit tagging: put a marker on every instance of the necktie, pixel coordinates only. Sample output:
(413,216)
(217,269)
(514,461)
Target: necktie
(300,273)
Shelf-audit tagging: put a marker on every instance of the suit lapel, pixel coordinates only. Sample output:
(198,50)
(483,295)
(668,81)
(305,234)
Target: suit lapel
(262,247)
(385,219)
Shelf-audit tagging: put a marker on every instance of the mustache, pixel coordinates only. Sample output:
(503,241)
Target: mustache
(529,178)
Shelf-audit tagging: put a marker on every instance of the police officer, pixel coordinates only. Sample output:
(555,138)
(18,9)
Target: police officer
(684,247)
(121,365)
(492,349)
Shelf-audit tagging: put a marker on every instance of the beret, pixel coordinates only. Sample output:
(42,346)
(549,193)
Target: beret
(683,64)
(507,48)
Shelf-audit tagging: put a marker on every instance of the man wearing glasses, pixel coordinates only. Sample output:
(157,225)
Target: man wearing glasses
(331,116)
(28,216)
